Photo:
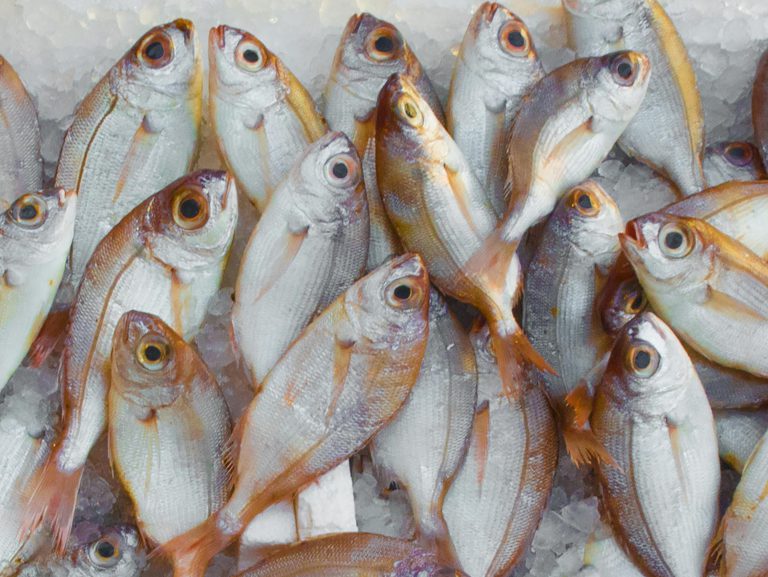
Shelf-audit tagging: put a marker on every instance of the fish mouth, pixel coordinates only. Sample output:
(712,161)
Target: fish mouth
(634,234)
(186,27)
(353,24)
(64,195)
(490,10)
(230,191)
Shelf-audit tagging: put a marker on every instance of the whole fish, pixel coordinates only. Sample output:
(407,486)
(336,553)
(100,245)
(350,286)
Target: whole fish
(566,126)
(580,246)
(21,166)
(341,381)
(495,503)
(604,557)
(168,427)
(370,51)
(727,161)
(134,133)
(696,278)
(352,555)
(738,433)
(423,447)
(496,66)
(668,131)
(308,247)
(760,107)
(166,257)
(35,236)
(652,416)
(262,115)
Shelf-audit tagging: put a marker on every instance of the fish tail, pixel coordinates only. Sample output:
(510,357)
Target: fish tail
(715,551)
(48,338)
(191,552)
(515,356)
(52,502)
(580,441)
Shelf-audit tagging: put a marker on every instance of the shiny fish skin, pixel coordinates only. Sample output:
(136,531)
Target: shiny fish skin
(490,77)
(653,418)
(351,555)
(308,247)
(424,445)
(168,427)
(728,161)
(262,115)
(21,166)
(496,501)
(133,134)
(668,131)
(341,381)
(760,107)
(33,254)
(738,433)
(358,73)
(156,260)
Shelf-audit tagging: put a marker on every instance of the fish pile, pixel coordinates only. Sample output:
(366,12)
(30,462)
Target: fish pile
(445,294)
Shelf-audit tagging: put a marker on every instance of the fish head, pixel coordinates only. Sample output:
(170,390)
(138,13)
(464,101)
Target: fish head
(191,222)
(616,87)
(163,68)
(591,220)
(736,154)
(622,299)
(150,362)
(112,551)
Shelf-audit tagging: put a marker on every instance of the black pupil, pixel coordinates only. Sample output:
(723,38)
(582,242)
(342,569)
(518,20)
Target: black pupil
(585,202)
(340,170)
(642,359)
(152,354)
(393,486)
(402,292)
(251,56)
(637,303)
(190,208)
(28,212)
(516,39)
(674,240)
(105,549)
(384,44)
(625,70)
(154,51)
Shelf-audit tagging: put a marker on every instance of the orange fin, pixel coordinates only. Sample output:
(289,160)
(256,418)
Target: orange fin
(716,550)
(582,445)
(515,356)
(191,552)
(481,435)
(231,453)
(46,341)
(342,356)
(286,256)
(579,405)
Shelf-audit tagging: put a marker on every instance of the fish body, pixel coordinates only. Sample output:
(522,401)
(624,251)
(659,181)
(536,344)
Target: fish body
(262,115)
(134,133)
(168,428)
(668,131)
(370,51)
(308,247)
(496,66)
(652,416)
(35,236)
(21,166)
(166,257)
(728,161)
(760,107)
(738,433)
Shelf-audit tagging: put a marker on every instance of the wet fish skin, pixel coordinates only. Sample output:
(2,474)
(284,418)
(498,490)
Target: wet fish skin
(653,418)
(496,66)
(309,246)
(168,428)
(262,115)
(668,131)
(423,447)
(165,257)
(35,236)
(760,107)
(738,433)
(134,133)
(728,161)
(21,166)
(341,381)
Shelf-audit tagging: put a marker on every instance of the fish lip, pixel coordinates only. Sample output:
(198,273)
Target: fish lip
(216,36)
(634,234)
(230,190)
(489,10)
(186,27)
(353,25)
(64,195)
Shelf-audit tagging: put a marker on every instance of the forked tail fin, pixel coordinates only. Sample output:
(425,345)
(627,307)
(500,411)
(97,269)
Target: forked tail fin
(515,356)
(191,552)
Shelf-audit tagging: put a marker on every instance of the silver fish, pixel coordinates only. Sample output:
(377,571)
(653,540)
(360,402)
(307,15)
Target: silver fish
(760,107)
(738,433)
(727,161)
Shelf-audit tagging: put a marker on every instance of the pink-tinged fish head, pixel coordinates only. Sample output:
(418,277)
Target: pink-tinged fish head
(191,222)
(618,90)
(592,220)
(107,551)
(36,221)
(649,369)
(737,154)
(621,300)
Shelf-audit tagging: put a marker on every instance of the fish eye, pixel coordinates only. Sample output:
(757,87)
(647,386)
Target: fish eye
(156,50)
(249,56)
(383,44)
(634,298)
(643,360)
(409,111)
(585,202)
(404,293)
(624,70)
(513,38)
(190,209)
(739,153)
(153,352)
(105,553)
(675,240)
(29,211)
(341,170)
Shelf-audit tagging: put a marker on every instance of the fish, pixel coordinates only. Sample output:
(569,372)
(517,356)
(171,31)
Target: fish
(21,165)
(696,278)
(342,380)
(668,131)
(496,66)
(369,52)
(166,257)
(352,555)
(168,425)
(35,236)
(580,245)
(738,433)
(652,416)
(309,246)
(423,447)
(760,107)
(727,161)
(567,124)
(134,133)
(604,557)
(262,115)
(496,501)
